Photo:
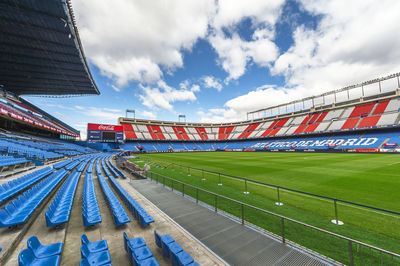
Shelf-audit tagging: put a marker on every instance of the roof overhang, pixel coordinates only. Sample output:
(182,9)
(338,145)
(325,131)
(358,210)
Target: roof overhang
(40,50)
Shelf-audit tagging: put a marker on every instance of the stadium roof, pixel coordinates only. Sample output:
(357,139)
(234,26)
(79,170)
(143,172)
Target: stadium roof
(40,49)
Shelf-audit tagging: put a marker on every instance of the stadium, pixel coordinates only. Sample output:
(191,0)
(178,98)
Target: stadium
(308,180)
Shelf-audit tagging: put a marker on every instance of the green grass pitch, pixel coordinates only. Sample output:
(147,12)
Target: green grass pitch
(369,179)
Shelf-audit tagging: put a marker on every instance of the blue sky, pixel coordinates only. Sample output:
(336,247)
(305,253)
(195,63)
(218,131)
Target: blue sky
(213,61)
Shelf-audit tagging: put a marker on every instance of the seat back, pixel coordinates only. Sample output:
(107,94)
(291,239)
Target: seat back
(3,215)
(158,239)
(126,239)
(33,243)
(84,239)
(84,262)
(85,252)
(10,208)
(26,257)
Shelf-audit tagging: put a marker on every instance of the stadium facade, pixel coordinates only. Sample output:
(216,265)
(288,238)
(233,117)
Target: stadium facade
(367,123)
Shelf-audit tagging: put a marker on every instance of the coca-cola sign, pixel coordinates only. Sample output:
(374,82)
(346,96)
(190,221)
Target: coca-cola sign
(104,127)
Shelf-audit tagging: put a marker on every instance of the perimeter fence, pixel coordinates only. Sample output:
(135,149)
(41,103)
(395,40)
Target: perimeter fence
(289,231)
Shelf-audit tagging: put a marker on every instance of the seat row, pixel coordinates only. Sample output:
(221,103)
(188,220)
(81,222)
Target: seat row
(34,153)
(107,163)
(98,168)
(138,211)
(105,168)
(120,216)
(17,185)
(97,252)
(60,209)
(94,253)
(122,174)
(71,165)
(139,253)
(11,160)
(20,209)
(89,168)
(90,209)
(82,165)
(171,249)
(38,254)
(62,164)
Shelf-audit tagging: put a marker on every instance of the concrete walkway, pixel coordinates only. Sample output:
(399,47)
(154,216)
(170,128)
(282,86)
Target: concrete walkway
(236,244)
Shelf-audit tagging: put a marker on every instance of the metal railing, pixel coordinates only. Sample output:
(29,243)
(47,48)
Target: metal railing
(289,231)
(357,92)
(289,196)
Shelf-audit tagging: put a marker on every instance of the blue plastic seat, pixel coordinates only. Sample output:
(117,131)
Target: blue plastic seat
(138,255)
(120,216)
(148,262)
(26,257)
(142,253)
(162,239)
(85,262)
(95,258)
(90,211)
(145,219)
(173,248)
(183,258)
(134,242)
(94,246)
(44,251)
(20,209)
(139,213)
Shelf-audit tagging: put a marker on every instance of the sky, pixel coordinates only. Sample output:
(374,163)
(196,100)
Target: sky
(216,60)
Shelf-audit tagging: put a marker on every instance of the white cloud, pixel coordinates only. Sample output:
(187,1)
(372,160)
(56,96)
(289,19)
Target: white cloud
(104,114)
(236,109)
(354,41)
(186,85)
(82,127)
(130,40)
(235,53)
(147,114)
(231,12)
(112,110)
(162,95)
(211,82)
(195,88)
(138,40)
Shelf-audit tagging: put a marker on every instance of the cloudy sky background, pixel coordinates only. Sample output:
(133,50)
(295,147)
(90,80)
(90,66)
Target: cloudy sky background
(213,61)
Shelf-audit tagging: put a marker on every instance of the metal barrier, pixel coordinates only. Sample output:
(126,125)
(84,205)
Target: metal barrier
(300,235)
(347,207)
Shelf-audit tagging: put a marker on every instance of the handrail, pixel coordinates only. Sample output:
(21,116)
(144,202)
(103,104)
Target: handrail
(285,188)
(283,218)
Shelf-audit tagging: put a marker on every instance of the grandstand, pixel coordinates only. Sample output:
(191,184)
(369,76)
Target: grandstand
(364,123)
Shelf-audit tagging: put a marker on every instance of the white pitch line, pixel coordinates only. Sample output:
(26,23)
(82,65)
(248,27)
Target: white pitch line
(393,163)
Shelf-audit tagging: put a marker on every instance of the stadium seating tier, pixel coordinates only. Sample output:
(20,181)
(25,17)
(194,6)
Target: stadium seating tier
(375,114)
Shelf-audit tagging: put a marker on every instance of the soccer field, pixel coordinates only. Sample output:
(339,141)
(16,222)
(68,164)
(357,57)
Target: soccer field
(368,179)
